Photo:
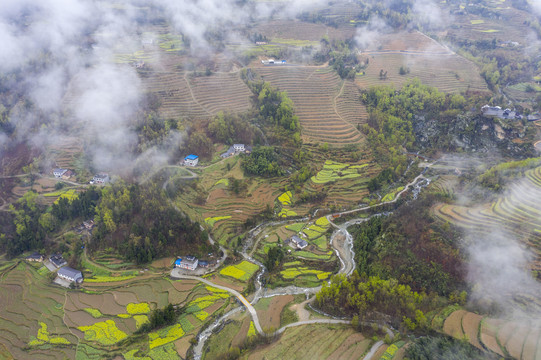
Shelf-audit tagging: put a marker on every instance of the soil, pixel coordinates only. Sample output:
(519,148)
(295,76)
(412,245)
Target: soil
(380,351)
(271,317)
(470,325)
(506,332)
(516,342)
(184,285)
(530,344)
(242,333)
(453,324)
(302,313)
(183,344)
(124,298)
(219,281)
(489,331)
(347,344)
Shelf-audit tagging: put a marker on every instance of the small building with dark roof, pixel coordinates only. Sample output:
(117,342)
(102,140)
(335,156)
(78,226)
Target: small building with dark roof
(57,260)
(203,263)
(35,257)
(70,274)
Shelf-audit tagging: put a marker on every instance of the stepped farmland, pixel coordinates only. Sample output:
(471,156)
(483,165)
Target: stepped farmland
(517,212)
(196,97)
(328,107)
(519,340)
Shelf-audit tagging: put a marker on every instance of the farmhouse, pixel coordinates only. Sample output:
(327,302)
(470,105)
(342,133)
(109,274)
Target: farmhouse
(88,224)
(35,257)
(59,172)
(188,263)
(191,160)
(297,242)
(67,175)
(203,264)
(100,179)
(70,274)
(228,153)
(57,260)
(239,147)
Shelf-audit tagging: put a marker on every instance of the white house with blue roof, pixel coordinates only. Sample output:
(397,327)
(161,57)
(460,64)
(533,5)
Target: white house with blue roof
(191,160)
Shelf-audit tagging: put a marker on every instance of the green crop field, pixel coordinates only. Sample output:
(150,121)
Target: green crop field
(42,321)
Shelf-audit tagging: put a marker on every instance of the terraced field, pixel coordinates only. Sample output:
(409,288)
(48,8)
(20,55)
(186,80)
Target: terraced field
(432,63)
(196,97)
(292,29)
(517,212)
(318,342)
(42,321)
(327,107)
(229,211)
(519,340)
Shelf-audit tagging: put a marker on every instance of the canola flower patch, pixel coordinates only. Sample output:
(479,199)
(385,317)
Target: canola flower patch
(292,273)
(333,171)
(391,351)
(43,337)
(225,182)
(130,355)
(210,221)
(251,329)
(94,312)
(322,221)
(70,195)
(140,320)
(285,198)
(140,308)
(166,335)
(102,279)
(286,213)
(242,271)
(201,315)
(105,332)
(390,196)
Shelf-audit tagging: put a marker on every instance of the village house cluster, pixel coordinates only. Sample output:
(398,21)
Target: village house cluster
(63,174)
(64,272)
(236,149)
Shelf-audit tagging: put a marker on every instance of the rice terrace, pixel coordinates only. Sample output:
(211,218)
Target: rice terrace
(270,179)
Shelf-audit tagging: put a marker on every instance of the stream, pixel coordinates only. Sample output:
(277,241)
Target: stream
(342,242)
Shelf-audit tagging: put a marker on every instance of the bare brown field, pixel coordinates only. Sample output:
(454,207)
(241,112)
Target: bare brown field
(432,63)
(530,344)
(292,29)
(350,342)
(270,318)
(327,106)
(470,326)
(453,324)
(510,27)
(185,96)
(318,342)
(489,332)
(516,342)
